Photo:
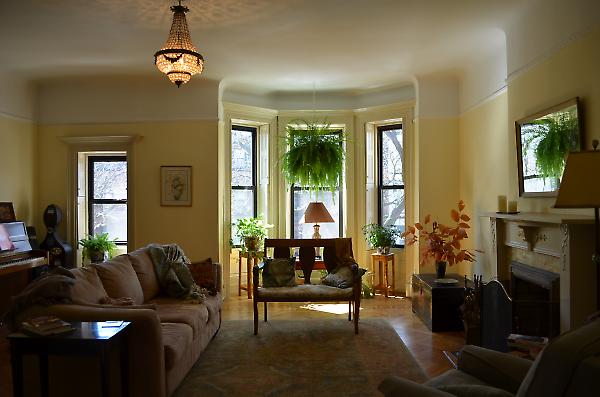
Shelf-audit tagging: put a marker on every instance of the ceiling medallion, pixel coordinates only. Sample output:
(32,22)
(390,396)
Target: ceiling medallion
(178,58)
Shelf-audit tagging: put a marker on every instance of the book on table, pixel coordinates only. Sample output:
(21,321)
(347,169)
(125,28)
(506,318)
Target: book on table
(46,325)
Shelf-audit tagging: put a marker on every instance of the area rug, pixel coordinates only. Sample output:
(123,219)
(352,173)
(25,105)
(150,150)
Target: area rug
(305,357)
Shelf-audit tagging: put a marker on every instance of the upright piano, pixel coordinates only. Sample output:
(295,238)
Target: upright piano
(17,266)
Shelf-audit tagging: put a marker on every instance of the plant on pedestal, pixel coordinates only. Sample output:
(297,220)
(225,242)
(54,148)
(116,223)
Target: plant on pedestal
(252,231)
(380,237)
(442,243)
(98,247)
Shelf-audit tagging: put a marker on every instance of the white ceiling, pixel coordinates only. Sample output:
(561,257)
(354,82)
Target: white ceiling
(258,45)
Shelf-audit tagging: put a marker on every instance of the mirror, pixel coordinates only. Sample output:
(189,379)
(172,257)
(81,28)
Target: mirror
(543,142)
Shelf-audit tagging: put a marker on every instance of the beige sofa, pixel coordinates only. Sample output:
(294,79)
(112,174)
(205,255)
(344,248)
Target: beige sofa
(166,336)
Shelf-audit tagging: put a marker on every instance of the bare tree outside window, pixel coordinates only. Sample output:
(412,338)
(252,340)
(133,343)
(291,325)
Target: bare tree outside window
(391,178)
(243,175)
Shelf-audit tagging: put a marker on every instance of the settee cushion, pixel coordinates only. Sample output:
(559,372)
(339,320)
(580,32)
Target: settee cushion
(341,277)
(279,272)
(305,293)
(144,268)
(177,339)
(88,287)
(194,315)
(119,279)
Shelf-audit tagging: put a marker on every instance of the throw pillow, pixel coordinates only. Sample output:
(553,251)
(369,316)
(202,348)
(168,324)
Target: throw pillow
(340,277)
(204,274)
(88,288)
(474,390)
(279,272)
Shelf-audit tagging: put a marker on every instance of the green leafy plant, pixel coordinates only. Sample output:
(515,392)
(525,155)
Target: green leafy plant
(557,135)
(379,236)
(98,243)
(251,227)
(315,156)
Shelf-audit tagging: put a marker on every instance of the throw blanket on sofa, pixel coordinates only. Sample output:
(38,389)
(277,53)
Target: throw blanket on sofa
(50,288)
(174,276)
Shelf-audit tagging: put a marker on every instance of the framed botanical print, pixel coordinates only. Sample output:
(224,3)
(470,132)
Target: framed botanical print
(176,185)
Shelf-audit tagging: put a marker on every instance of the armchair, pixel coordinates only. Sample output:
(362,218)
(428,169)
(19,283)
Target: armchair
(568,366)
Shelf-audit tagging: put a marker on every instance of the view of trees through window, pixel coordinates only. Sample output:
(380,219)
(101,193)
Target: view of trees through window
(107,203)
(391,178)
(243,175)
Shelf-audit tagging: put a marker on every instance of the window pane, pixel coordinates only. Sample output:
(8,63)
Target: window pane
(392,210)
(391,157)
(110,180)
(241,158)
(111,219)
(332,203)
(242,206)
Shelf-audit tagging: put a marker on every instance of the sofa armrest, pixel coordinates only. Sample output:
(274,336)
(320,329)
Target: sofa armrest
(150,306)
(395,386)
(144,339)
(497,369)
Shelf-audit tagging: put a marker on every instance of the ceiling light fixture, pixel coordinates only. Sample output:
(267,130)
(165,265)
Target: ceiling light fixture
(178,58)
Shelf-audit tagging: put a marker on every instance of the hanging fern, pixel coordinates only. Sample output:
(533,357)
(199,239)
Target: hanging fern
(558,135)
(315,156)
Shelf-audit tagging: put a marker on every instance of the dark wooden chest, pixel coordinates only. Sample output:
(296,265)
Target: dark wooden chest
(438,305)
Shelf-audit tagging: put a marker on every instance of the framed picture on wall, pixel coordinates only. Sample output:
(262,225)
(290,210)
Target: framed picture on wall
(7,212)
(176,185)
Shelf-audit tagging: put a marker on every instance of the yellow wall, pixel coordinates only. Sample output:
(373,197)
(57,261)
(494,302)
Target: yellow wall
(192,143)
(438,169)
(483,174)
(18,158)
(572,71)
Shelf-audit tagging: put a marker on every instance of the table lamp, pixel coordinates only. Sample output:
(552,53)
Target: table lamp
(316,213)
(578,189)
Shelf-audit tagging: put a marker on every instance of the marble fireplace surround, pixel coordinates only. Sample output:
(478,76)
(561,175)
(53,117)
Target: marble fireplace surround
(558,243)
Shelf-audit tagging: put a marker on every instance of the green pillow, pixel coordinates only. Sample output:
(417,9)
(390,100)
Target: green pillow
(342,276)
(279,272)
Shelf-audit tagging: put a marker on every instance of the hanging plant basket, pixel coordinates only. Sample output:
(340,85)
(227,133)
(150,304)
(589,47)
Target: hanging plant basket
(315,156)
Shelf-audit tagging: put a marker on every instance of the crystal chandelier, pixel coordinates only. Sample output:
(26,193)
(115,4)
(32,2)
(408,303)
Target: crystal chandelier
(178,58)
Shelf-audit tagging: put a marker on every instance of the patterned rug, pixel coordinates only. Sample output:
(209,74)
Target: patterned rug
(308,357)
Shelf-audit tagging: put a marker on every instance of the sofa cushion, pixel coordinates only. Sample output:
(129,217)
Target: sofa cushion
(204,274)
(194,315)
(279,272)
(341,277)
(88,287)
(454,377)
(144,268)
(306,293)
(177,339)
(475,390)
(119,279)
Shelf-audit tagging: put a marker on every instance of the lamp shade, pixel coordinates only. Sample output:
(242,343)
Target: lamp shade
(316,212)
(579,187)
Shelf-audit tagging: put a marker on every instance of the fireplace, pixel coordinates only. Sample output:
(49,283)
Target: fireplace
(535,296)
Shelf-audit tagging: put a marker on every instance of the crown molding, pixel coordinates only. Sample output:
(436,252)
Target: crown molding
(113,139)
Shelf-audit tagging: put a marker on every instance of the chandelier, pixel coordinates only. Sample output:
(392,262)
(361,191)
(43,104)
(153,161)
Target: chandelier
(178,58)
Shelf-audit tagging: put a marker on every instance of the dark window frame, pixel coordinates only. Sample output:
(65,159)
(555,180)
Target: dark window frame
(380,186)
(92,200)
(254,186)
(340,191)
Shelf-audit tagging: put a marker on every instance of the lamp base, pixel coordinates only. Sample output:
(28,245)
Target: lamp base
(317,235)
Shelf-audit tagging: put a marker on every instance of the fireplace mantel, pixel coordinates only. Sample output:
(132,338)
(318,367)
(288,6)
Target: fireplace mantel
(560,243)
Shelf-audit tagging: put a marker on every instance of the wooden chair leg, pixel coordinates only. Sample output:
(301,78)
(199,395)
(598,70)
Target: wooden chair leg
(255,317)
(349,310)
(265,311)
(356,312)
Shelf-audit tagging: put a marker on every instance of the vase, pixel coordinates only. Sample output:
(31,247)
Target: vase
(440,269)
(383,250)
(97,256)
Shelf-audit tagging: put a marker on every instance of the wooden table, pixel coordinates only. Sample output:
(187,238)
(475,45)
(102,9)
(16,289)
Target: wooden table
(251,261)
(88,338)
(436,304)
(384,284)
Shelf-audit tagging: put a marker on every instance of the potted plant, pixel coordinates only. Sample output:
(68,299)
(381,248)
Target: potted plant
(380,237)
(252,231)
(98,247)
(442,243)
(315,156)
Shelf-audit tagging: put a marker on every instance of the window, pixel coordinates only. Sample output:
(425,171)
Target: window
(301,197)
(107,196)
(243,174)
(391,209)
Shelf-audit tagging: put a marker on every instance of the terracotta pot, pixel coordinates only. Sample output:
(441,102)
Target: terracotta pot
(440,269)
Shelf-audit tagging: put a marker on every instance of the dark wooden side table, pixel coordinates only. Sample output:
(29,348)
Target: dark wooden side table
(438,305)
(88,338)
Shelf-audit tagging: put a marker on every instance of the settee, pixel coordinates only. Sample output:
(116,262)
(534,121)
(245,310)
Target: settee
(166,335)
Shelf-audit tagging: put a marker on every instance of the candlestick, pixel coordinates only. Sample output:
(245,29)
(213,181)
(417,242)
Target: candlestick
(501,203)
(512,206)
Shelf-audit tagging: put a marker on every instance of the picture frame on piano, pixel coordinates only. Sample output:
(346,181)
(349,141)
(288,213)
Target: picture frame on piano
(7,212)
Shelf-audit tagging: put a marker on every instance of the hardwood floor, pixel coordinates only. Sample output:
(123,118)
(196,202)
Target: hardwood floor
(425,346)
